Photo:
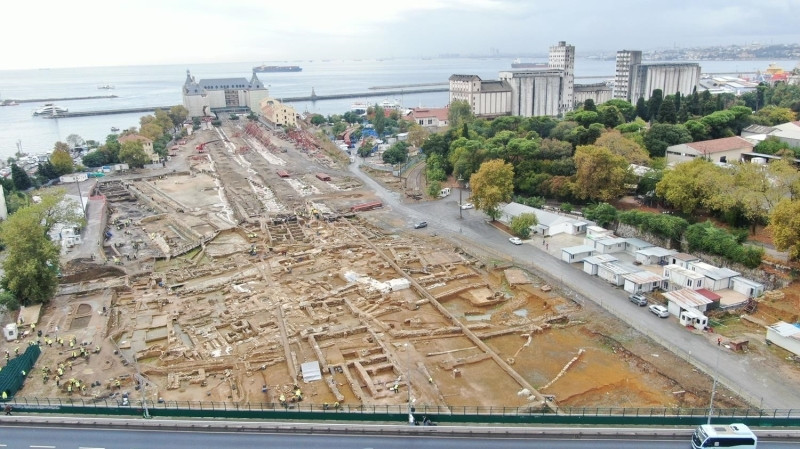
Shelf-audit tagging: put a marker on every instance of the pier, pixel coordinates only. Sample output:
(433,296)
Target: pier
(50,100)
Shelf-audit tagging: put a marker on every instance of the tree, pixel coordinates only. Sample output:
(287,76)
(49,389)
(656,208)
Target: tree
(600,173)
(458,113)
(522,223)
(75,140)
(94,159)
(178,115)
(317,119)
(21,179)
(338,128)
(688,184)
(785,227)
(610,116)
(554,149)
(379,120)
(641,109)
(396,154)
(697,129)
(627,109)
(773,115)
(589,105)
(61,161)
(667,112)
(622,146)
(417,135)
(654,103)
(492,185)
(662,135)
(32,261)
(603,214)
(133,154)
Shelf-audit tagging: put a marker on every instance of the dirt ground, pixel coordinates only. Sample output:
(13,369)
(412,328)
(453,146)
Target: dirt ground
(228,282)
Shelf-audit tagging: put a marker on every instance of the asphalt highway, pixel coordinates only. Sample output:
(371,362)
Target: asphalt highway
(32,437)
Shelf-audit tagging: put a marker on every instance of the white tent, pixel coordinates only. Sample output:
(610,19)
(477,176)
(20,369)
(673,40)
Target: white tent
(311,371)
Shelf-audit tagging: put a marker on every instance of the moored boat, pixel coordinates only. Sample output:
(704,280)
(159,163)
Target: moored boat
(50,109)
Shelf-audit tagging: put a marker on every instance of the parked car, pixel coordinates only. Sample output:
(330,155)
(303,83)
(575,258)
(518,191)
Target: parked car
(659,310)
(421,224)
(467,206)
(638,299)
(515,240)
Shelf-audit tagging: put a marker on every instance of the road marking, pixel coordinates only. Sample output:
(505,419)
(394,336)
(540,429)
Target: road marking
(44,447)
(83,447)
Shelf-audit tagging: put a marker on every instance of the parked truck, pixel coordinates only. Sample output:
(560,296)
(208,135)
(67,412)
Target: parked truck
(444,192)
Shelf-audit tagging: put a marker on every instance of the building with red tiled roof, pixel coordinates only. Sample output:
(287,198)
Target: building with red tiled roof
(431,118)
(727,149)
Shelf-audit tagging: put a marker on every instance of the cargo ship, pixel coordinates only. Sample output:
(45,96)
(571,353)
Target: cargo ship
(276,68)
(518,64)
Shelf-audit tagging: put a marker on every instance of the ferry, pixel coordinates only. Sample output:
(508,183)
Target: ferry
(359,108)
(50,109)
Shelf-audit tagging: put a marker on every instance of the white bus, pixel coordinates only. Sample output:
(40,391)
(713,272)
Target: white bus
(721,435)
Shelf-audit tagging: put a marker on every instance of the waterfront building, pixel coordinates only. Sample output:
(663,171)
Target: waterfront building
(597,92)
(487,98)
(147,145)
(535,92)
(669,77)
(529,92)
(233,95)
(634,80)
(625,61)
(278,113)
(562,57)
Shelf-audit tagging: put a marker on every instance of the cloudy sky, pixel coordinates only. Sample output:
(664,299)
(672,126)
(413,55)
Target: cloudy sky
(75,33)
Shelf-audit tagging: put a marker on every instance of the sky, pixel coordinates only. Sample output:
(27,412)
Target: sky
(80,33)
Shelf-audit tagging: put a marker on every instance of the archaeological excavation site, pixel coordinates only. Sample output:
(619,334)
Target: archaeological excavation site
(258,268)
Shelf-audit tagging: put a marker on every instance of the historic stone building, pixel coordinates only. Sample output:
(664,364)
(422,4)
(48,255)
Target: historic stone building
(234,95)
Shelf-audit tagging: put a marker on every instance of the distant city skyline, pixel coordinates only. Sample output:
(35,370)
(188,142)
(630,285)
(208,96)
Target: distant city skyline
(50,33)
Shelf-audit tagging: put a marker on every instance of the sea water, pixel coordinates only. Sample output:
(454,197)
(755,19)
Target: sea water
(150,86)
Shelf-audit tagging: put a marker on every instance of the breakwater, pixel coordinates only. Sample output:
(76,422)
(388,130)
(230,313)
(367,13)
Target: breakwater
(50,100)
(381,93)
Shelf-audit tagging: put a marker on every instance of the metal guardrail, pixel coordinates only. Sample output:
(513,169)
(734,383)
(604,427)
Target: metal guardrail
(512,414)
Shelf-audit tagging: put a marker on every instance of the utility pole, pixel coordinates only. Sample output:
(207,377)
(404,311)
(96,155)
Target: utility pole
(80,196)
(714,386)
(460,191)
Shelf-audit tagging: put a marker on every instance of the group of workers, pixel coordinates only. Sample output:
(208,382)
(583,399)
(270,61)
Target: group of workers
(297,396)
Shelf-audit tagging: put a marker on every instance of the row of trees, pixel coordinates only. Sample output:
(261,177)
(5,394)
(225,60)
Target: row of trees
(160,127)
(586,157)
